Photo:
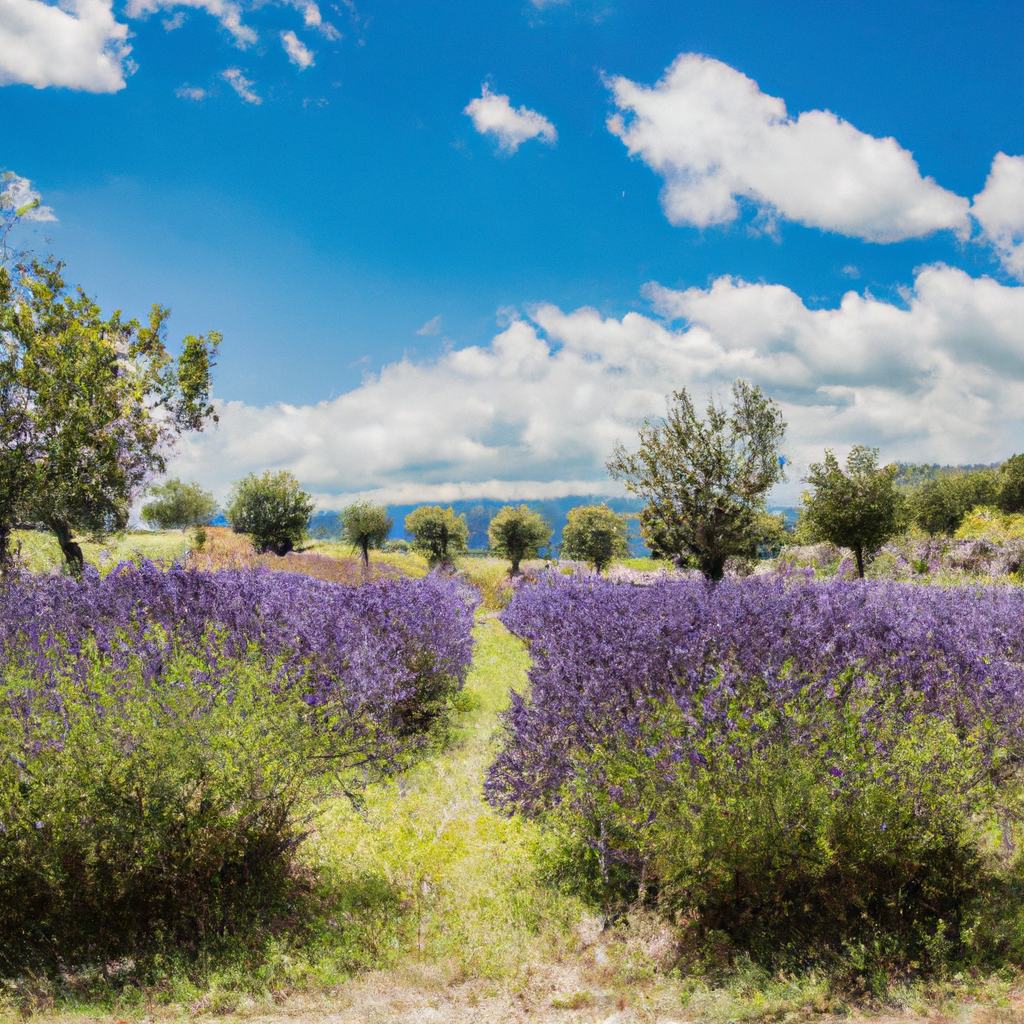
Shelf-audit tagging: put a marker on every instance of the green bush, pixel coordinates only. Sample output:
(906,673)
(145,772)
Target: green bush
(153,813)
(272,509)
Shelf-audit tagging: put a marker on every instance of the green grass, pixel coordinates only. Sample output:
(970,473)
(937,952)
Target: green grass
(41,552)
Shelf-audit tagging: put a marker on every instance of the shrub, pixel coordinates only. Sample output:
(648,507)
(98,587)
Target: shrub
(595,534)
(165,736)
(943,503)
(517,532)
(272,509)
(796,769)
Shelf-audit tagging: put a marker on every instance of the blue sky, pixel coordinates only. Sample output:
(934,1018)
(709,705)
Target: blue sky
(321,215)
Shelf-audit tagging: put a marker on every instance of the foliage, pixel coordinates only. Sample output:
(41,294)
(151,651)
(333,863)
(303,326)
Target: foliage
(1010,497)
(164,733)
(366,526)
(705,480)
(89,407)
(272,509)
(802,770)
(595,534)
(944,501)
(860,508)
(177,506)
(438,533)
(518,532)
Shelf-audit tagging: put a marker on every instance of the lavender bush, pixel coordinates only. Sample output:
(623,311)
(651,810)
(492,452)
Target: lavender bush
(166,735)
(798,769)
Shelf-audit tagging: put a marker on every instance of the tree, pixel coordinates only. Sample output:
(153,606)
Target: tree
(177,506)
(860,508)
(517,532)
(89,407)
(705,480)
(941,504)
(1010,497)
(366,526)
(272,509)
(437,532)
(595,534)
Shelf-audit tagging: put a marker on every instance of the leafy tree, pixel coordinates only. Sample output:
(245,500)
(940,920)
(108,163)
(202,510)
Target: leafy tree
(860,508)
(942,503)
(272,509)
(705,480)
(517,532)
(89,406)
(366,526)
(177,506)
(437,532)
(1011,485)
(595,534)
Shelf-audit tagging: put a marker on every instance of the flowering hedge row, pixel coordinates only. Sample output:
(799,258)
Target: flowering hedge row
(773,757)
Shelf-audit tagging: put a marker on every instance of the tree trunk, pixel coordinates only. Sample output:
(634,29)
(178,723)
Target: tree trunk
(72,552)
(6,561)
(366,552)
(713,566)
(859,552)
(515,566)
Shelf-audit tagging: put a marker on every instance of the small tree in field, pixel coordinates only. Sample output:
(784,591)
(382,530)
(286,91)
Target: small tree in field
(860,508)
(517,532)
(272,509)
(177,506)
(705,479)
(366,526)
(437,533)
(595,534)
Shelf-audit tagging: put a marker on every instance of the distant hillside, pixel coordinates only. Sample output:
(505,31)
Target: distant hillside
(912,474)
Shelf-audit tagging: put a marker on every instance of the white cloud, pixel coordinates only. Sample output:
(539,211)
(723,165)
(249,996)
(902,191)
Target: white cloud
(313,19)
(432,326)
(227,12)
(17,193)
(241,85)
(716,138)
(190,92)
(78,45)
(999,209)
(494,114)
(296,50)
(540,407)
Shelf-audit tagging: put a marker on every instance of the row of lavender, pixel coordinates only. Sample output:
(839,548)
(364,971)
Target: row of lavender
(166,737)
(775,760)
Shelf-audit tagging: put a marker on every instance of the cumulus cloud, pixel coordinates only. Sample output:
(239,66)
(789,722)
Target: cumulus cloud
(313,19)
(296,50)
(537,411)
(715,138)
(999,209)
(227,12)
(432,326)
(492,113)
(78,45)
(241,85)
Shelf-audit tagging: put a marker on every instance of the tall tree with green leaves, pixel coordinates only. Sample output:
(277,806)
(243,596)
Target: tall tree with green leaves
(859,508)
(175,505)
(595,534)
(517,532)
(437,532)
(272,509)
(1010,494)
(90,406)
(706,480)
(942,504)
(366,526)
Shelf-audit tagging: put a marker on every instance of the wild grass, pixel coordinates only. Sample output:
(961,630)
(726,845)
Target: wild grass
(40,551)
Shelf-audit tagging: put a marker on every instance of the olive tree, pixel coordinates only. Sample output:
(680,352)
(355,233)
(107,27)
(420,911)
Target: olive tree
(90,406)
(437,533)
(595,534)
(366,526)
(272,509)
(177,506)
(517,532)
(859,508)
(706,479)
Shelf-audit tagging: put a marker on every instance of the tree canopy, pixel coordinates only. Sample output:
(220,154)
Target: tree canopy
(366,526)
(437,532)
(177,506)
(595,534)
(860,508)
(90,406)
(517,532)
(272,509)
(705,480)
